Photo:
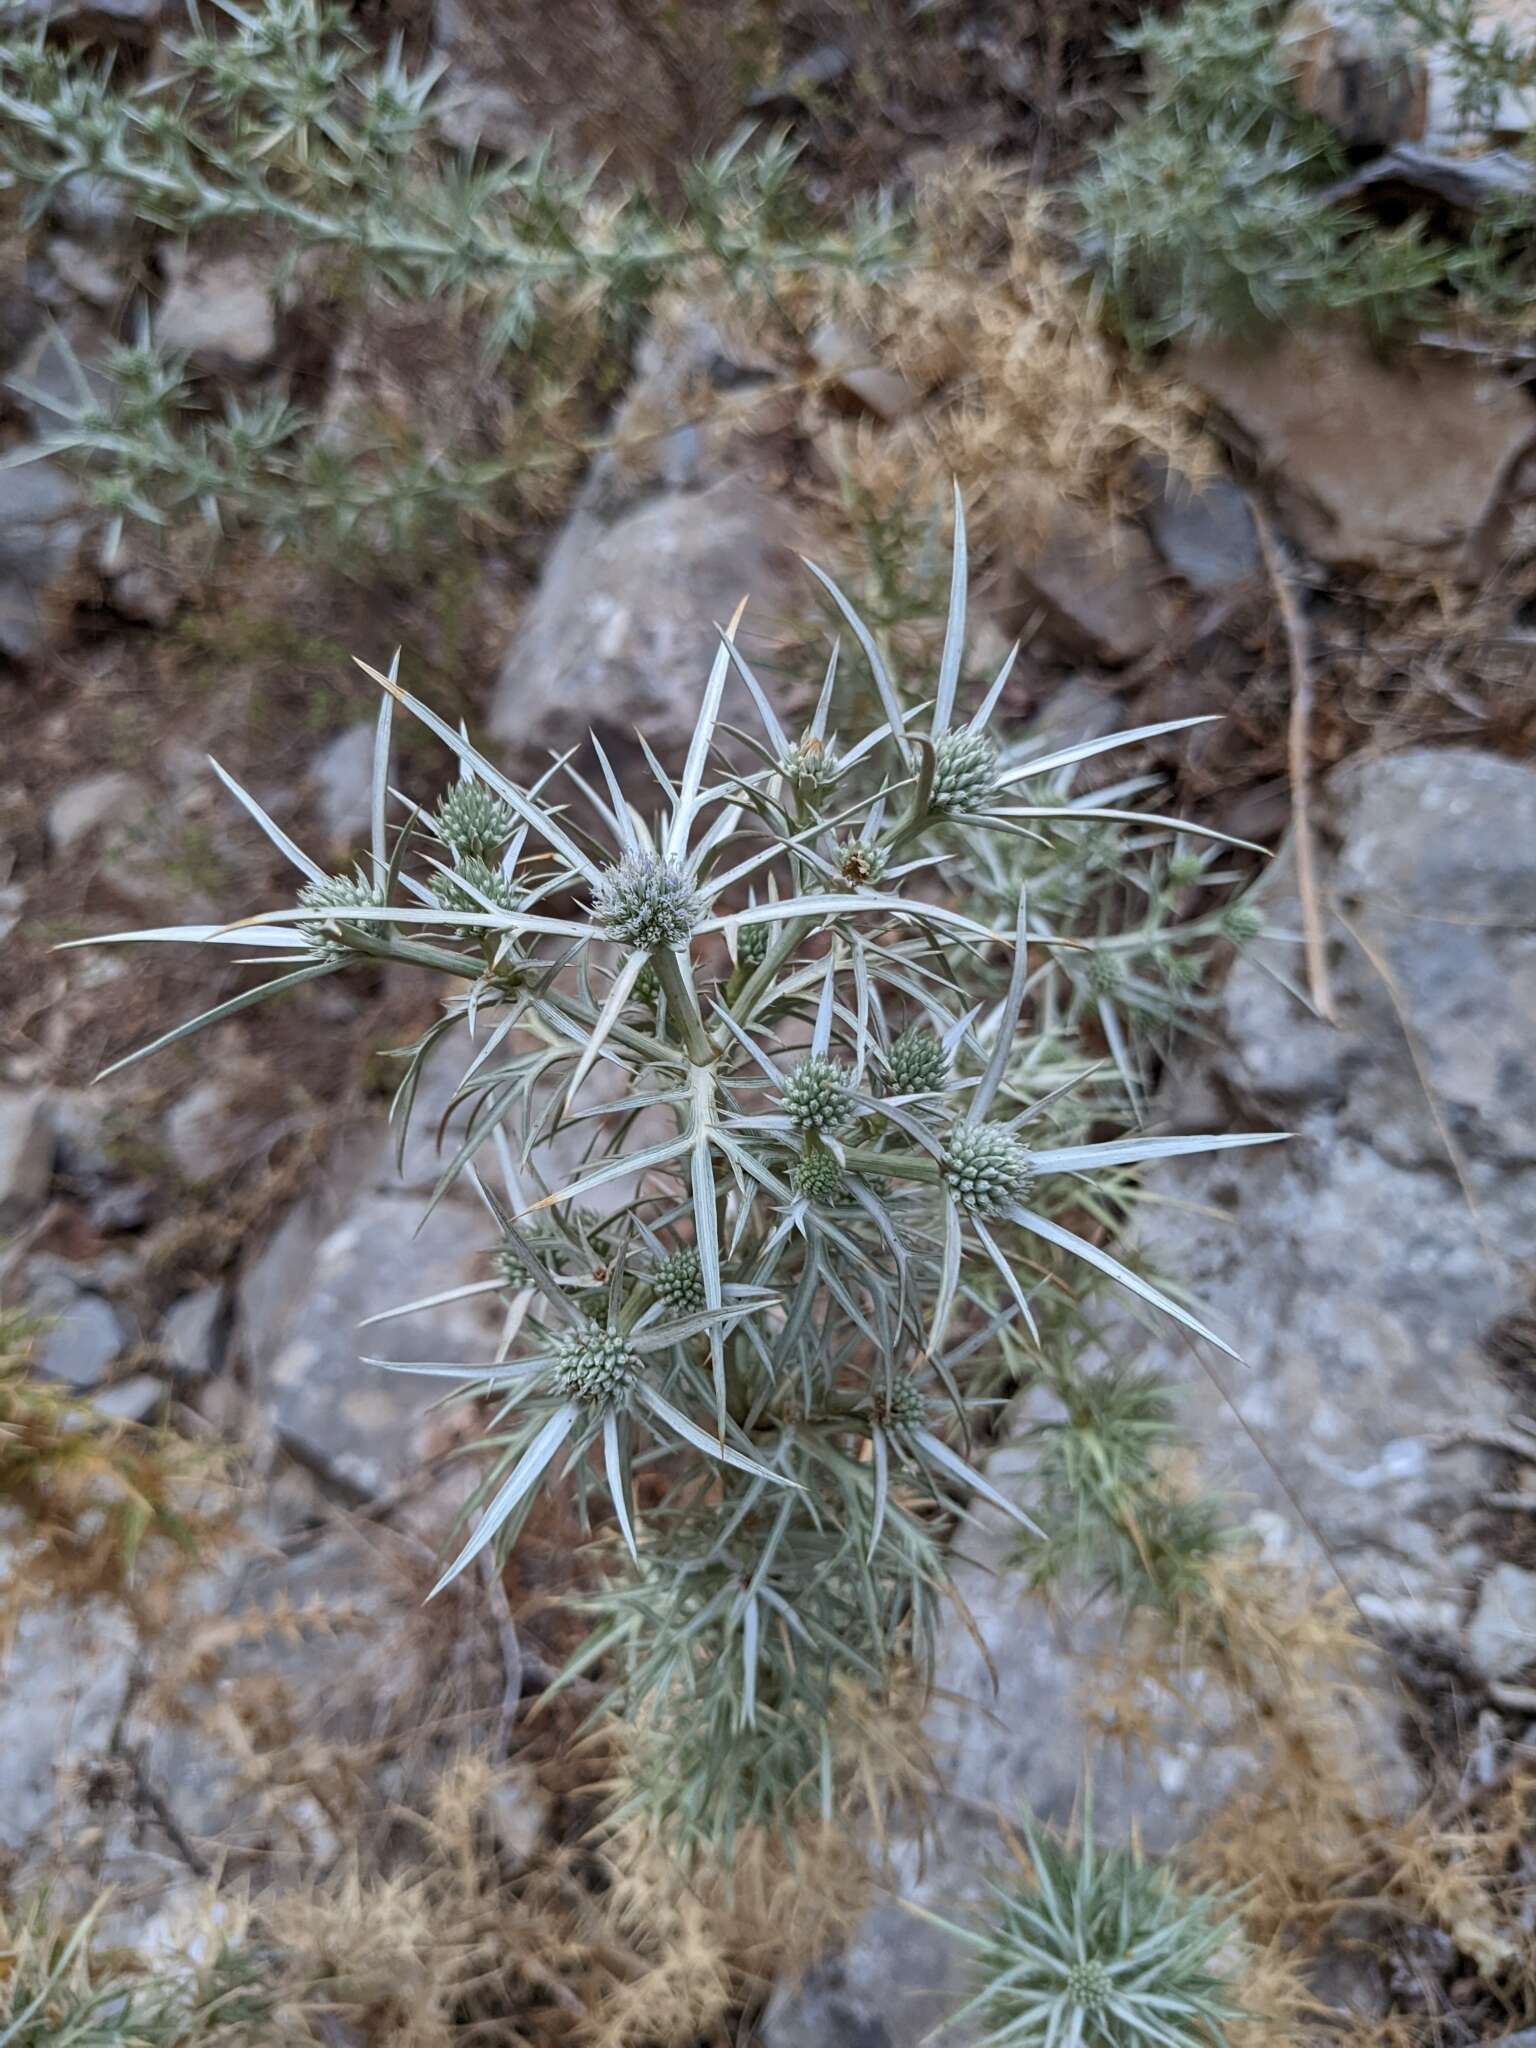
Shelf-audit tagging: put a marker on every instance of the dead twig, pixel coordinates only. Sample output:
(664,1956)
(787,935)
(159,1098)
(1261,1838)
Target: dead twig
(1298,748)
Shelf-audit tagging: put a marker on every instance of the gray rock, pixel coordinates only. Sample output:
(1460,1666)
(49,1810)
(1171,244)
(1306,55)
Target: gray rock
(227,1122)
(97,803)
(891,1989)
(61,1687)
(96,208)
(190,1338)
(220,312)
(83,1341)
(1204,531)
(342,777)
(479,114)
(1359,1267)
(85,271)
(669,533)
(356,1250)
(40,534)
(1378,464)
(135,1399)
(132,21)
(1501,1636)
(1100,585)
(26,1154)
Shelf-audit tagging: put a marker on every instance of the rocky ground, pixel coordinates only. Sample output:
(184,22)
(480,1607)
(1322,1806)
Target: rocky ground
(200,1238)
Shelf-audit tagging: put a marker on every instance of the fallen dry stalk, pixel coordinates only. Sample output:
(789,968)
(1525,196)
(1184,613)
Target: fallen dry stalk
(1298,748)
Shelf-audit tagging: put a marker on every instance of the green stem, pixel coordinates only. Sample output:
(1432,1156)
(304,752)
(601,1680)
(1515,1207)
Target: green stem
(683,1007)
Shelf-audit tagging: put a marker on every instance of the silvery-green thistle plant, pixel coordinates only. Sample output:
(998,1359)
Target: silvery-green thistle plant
(824,1179)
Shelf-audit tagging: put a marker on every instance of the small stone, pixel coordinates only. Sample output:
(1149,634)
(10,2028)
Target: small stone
(1501,1636)
(219,312)
(121,1206)
(342,777)
(82,809)
(849,361)
(26,1155)
(480,115)
(135,1399)
(143,593)
(40,535)
(1099,582)
(225,1122)
(1204,531)
(87,274)
(190,1337)
(96,208)
(83,1343)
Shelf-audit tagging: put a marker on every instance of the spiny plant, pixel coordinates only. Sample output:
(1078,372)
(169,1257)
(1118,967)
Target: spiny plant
(280,121)
(94,1495)
(1100,1948)
(55,1992)
(751,1275)
(1210,211)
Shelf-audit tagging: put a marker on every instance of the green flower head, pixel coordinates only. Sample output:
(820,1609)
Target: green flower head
(986,1169)
(647,903)
(816,1095)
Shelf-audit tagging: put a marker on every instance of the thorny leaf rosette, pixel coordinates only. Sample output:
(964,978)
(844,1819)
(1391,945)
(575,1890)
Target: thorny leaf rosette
(822,1173)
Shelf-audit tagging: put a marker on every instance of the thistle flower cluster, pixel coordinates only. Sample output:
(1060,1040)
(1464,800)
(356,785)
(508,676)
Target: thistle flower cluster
(472,821)
(816,1095)
(647,903)
(986,1168)
(595,1365)
(806,1192)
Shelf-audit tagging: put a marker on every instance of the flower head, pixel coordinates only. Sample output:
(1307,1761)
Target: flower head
(595,1365)
(679,1282)
(816,1095)
(817,1175)
(965,771)
(919,1062)
(647,903)
(986,1169)
(472,819)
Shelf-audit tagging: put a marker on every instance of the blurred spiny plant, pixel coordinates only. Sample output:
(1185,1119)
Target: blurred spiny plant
(94,1495)
(1209,212)
(58,1991)
(813,1165)
(280,121)
(1100,1948)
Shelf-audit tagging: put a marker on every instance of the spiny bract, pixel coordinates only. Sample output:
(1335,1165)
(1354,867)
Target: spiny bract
(919,1062)
(473,820)
(679,1282)
(965,771)
(595,1364)
(483,881)
(810,763)
(986,1168)
(647,903)
(816,1095)
(335,893)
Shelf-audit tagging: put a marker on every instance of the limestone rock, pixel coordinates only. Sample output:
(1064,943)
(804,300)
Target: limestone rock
(62,1682)
(1379,463)
(1100,584)
(1501,1635)
(26,1154)
(219,311)
(41,529)
(669,532)
(342,776)
(82,1342)
(95,804)
(1204,531)
(190,1336)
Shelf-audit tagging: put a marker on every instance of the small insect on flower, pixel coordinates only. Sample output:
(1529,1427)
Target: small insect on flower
(965,772)
(679,1282)
(647,903)
(473,820)
(986,1168)
(861,862)
(596,1365)
(919,1063)
(816,1095)
(810,764)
